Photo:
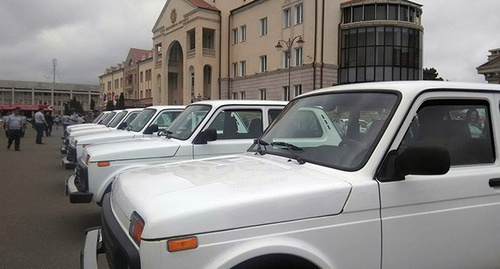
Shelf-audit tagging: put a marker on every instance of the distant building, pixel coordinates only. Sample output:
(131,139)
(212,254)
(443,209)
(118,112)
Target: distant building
(225,49)
(30,95)
(491,69)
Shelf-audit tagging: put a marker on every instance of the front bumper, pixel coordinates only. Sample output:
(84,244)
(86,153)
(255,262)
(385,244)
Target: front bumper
(92,247)
(67,164)
(109,239)
(76,196)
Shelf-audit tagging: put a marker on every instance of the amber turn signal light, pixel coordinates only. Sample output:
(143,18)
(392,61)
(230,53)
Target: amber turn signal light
(102,164)
(182,244)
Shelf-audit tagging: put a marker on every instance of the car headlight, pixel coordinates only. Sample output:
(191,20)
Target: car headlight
(136,227)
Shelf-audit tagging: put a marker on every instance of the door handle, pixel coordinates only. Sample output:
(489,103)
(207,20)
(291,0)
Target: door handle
(495,182)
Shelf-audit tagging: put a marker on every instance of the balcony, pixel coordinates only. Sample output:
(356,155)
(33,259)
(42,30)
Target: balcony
(208,53)
(144,102)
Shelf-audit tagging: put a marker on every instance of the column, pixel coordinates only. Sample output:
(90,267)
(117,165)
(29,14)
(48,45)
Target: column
(32,96)
(90,100)
(13,94)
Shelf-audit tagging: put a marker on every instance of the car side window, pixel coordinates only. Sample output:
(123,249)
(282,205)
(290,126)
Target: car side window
(462,126)
(238,124)
(165,119)
(273,114)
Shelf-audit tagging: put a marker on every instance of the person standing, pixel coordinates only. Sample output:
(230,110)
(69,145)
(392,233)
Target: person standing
(40,125)
(50,123)
(14,125)
(4,123)
(57,121)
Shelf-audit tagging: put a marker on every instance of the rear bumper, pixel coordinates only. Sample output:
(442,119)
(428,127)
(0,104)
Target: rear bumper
(75,195)
(91,248)
(67,164)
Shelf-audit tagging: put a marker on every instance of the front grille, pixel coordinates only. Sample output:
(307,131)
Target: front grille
(82,175)
(71,154)
(120,251)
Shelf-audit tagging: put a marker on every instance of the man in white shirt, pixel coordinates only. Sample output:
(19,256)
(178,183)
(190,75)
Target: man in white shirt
(40,125)
(15,127)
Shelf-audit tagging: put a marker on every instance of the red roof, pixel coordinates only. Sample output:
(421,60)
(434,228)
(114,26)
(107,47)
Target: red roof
(138,53)
(203,4)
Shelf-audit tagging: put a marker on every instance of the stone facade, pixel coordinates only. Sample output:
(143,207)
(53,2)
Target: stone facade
(491,69)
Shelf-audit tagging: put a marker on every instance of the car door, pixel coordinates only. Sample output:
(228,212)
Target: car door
(236,128)
(450,220)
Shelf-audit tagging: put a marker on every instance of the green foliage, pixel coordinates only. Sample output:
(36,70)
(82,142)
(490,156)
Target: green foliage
(121,102)
(431,74)
(76,106)
(110,106)
(66,109)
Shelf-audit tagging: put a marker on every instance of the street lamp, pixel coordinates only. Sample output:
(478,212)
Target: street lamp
(288,53)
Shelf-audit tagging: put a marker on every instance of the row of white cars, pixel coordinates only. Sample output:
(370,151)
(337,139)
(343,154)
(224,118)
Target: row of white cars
(414,189)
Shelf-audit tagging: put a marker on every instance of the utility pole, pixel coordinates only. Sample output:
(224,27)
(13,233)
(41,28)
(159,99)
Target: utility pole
(54,64)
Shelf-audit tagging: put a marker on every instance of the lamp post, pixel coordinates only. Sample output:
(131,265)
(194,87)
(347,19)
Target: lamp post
(288,53)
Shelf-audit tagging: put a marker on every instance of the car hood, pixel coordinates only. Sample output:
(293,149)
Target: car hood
(111,136)
(225,193)
(140,148)
(82,132)
(83,127)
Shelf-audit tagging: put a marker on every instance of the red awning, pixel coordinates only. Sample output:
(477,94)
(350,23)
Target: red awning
(24,107)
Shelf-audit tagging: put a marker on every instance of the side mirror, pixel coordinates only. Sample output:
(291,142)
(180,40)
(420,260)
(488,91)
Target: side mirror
(151,129)
(206,136)
(415,160)
(122,126)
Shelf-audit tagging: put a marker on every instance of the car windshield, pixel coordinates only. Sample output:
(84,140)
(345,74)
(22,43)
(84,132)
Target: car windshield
(141,120)
(131,117)
(98,118)
(104,116)
(117,119)
(187,122)
(108,118)
(311,129)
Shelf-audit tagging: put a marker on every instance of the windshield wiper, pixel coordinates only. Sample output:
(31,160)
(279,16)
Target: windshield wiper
(291,148)
(259,147)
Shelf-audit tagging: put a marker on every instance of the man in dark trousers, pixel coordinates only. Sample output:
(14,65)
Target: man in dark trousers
(40,125)
(50,123)
(14,125)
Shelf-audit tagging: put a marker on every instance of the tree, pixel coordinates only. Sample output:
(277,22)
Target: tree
(121,102)
(431,74)
(76,106)
(92,104)
(66,109)
(110,106)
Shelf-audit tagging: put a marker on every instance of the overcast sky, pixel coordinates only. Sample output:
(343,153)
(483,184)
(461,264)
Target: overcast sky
(88,36)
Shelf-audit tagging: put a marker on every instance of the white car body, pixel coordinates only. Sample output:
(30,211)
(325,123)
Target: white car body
(75,127)
(77,143)
(231,211)
(123,155)
(107,128)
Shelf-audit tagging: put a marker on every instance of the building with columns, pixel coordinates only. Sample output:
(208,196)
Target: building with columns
(491,69)
(227,49)
(29,95)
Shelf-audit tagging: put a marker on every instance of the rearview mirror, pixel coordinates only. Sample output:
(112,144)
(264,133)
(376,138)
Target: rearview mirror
(415,160)
(151,129)
(206,136)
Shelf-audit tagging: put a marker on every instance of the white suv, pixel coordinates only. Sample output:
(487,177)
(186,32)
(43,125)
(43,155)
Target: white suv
(204,129)
(419,189)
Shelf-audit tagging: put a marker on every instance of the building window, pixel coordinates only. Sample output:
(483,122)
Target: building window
(235,69)
(192,39)
(297,90)
(298,56)
(235,36)
(242,95)
(121,82)
(369,12)
(158,49)
(142,77)
(235,96)
(243,68)
(357,13)
(286,93)
(263,63)
(263,26)
(286,18)
(243,33)
(299,13)
(286,59)
(262,94)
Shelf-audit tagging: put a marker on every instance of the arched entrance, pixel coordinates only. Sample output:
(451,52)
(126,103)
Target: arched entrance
(207,82)
(175,74)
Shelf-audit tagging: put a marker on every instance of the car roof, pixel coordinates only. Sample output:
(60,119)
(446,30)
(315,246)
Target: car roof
(412,88)
(166,107)
(219,103)
(133,109)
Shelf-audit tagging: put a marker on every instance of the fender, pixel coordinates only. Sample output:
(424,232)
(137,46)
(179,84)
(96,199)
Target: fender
(109,180)
(280,245)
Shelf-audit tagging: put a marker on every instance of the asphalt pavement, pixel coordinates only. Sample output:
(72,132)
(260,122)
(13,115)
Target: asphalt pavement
(39,228)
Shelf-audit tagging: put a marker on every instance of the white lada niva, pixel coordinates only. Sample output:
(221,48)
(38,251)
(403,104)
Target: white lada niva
(419,187)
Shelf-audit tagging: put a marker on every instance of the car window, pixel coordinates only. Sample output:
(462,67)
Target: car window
(131,117)
(117,119)
(165,119)
(273,114)
(462,126)
(238,124)
(142,119)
